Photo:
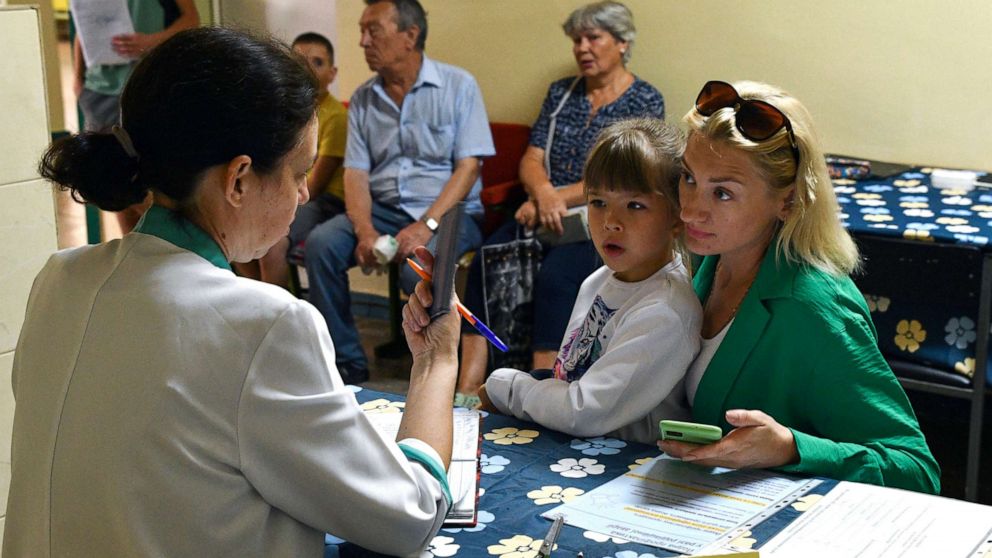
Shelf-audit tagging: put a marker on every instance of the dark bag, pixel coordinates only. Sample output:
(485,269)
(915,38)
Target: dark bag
(508,274)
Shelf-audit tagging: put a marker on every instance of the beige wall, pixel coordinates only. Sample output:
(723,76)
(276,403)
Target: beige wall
(907,81)
(26,211)
(53,81)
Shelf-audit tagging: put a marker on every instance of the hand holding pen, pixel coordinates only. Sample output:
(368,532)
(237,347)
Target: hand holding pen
(482,328)
(438,337)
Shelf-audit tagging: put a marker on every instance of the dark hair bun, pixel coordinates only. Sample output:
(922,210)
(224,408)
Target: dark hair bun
(97,170)
(199,99)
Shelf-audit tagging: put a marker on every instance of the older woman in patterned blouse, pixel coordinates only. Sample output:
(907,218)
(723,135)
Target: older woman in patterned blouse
(575,109)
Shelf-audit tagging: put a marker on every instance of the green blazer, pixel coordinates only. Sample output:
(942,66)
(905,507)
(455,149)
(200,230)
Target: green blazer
(804,350)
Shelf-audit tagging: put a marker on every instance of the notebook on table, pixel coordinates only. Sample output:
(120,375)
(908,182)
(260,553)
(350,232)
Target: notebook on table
(463,473)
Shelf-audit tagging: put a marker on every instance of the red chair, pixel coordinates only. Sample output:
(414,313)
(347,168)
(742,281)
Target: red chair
(502,191)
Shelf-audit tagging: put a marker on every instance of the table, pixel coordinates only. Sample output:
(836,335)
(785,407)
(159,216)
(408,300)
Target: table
(906,206)
(527,470)
(930,295)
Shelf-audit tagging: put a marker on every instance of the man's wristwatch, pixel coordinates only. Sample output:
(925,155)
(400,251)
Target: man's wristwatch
(431,223)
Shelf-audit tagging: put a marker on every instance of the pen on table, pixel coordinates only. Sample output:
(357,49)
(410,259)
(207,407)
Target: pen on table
(469,316)
(549,540)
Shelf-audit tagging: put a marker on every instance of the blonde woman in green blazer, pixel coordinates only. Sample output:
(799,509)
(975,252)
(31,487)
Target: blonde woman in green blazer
(790,366)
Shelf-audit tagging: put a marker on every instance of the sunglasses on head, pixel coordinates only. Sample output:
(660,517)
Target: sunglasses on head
(755,120)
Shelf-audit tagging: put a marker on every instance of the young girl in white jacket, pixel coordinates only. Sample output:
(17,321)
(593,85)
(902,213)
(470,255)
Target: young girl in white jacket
(634,329)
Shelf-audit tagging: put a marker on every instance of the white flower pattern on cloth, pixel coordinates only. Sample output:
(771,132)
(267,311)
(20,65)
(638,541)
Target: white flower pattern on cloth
(578,468)
(966,367)
(440,547)
(960,332)
(494,464)
(518,546)
(509,435)
(957,200)
(637,463)
(383,406)
(963,229)
(553,494)
(900,183)
(598,446)
(877,303)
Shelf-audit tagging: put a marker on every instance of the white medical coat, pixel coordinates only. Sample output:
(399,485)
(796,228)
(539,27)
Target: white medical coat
(166,407)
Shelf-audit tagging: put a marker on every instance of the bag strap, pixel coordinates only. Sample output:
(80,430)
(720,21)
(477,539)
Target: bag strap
(552,125)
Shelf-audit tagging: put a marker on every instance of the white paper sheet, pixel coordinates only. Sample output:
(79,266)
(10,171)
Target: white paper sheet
(677,506)
(97,22)
(864,520)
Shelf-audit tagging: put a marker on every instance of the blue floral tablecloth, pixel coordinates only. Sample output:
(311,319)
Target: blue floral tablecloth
(932,328)
(527,470)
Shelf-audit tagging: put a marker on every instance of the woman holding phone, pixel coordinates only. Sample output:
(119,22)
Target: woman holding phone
(789,367)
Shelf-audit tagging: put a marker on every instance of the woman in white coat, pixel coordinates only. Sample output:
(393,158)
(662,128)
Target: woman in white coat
(166,407)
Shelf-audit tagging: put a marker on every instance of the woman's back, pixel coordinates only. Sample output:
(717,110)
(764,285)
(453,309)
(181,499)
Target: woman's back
(166,407)
(130,404)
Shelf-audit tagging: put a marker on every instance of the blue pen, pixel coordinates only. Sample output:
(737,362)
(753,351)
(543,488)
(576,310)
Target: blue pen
(469,316)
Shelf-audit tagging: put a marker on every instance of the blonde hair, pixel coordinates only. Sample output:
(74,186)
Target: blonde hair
(642,155)
(811,233)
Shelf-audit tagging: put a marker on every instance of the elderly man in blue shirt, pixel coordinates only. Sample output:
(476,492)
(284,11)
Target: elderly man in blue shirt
(416,134)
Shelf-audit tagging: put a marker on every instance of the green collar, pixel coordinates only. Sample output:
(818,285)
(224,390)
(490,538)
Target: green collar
(172,227)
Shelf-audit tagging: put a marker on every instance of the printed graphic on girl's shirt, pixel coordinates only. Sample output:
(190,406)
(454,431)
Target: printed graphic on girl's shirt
(585,343)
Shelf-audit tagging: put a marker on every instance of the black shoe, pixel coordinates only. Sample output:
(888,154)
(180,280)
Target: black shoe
(353,373)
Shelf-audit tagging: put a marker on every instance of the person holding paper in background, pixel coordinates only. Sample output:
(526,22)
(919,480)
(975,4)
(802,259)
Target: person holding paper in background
(165,406)
(634,329)
(576,109)
(98,86)
(790,365)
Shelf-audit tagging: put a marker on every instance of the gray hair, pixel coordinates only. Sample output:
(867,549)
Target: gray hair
(408,13)
(612,17)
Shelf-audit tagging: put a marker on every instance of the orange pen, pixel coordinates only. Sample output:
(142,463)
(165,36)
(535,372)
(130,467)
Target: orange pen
(482,328)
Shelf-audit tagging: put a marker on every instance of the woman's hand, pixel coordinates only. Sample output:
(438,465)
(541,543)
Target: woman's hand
(756,442)
(550,209)
(426,338)
(527,214)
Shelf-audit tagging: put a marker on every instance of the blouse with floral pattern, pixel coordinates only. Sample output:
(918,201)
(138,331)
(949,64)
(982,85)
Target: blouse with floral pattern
(576,133)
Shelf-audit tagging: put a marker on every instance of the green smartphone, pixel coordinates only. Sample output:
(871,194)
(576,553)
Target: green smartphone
(691,432)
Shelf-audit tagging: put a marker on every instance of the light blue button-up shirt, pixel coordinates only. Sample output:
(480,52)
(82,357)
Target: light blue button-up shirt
(410,151)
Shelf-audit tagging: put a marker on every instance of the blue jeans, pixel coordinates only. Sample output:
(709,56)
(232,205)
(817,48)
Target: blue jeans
(330,253)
